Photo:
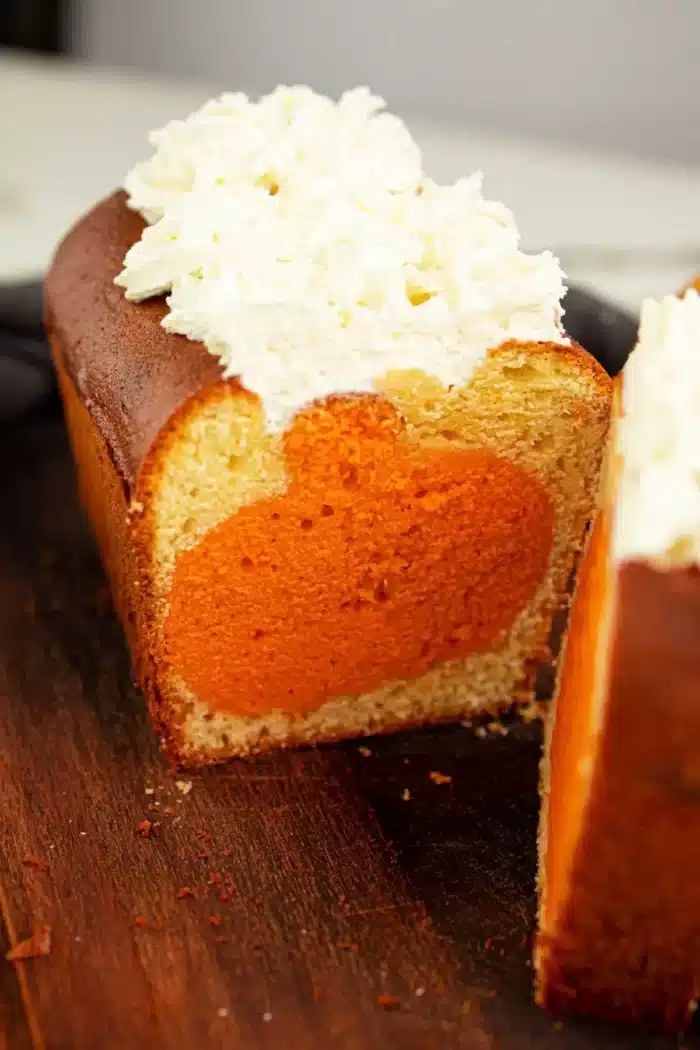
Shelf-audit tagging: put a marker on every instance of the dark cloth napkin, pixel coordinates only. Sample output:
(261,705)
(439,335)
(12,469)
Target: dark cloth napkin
(26,375)
(606,331)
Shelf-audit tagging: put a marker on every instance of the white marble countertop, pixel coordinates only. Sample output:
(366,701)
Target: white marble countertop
(623,227)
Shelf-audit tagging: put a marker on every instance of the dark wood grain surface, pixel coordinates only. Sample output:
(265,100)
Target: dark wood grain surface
(340,898)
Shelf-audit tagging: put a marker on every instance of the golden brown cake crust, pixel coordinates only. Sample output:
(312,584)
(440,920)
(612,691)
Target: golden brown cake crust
(130,373)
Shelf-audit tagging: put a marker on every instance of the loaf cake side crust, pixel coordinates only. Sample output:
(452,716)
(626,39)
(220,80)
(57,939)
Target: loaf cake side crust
(130,373)
(618,927)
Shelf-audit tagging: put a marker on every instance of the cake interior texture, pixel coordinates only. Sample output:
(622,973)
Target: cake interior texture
(620,832)
(385,568)
(385,550)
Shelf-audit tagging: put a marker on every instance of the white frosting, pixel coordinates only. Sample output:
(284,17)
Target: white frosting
(658,507)
(356,264)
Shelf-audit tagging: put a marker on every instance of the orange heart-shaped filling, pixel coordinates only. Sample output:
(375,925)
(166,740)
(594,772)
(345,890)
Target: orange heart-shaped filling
(381,558)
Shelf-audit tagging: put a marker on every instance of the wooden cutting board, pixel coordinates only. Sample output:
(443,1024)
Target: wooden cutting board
(345,898)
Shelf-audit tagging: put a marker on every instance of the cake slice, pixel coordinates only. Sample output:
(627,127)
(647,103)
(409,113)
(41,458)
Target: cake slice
(339,476)
(619,908)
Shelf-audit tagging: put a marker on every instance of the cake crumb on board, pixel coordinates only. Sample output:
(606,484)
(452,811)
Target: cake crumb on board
(147,828)
(37,945)
(439,778)
(142,923)
(31,861)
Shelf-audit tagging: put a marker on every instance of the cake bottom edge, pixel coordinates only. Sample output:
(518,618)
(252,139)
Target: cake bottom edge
(193,736)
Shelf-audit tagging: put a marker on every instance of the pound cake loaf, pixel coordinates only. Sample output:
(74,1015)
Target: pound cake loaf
(620,831)
(337,450)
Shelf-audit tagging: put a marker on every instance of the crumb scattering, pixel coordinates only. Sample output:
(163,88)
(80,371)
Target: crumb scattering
(184,786)
(184,892)
(406,796)
(497,728)
(147,828)
(142,923)
(36,946)
(439,778)
(30,861)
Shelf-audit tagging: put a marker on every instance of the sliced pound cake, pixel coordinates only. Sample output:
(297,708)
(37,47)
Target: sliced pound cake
(337,450)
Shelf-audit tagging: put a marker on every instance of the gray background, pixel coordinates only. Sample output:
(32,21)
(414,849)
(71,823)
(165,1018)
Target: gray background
(621,74)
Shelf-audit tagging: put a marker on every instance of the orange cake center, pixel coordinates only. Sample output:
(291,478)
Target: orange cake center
(380,559)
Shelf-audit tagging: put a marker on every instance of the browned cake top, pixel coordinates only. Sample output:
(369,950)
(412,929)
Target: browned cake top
(129,371)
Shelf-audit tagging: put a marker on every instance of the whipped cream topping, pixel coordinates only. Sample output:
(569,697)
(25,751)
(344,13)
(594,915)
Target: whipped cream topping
(300,240)
(658,507)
